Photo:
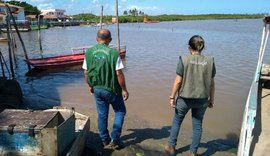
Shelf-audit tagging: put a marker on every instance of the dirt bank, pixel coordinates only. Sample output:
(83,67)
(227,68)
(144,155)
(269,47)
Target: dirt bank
(142,138)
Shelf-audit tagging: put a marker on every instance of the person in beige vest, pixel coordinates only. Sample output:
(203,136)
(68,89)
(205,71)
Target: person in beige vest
(193,89)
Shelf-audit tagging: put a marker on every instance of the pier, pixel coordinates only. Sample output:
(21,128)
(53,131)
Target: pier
(64,24)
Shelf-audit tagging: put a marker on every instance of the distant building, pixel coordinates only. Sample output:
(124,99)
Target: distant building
(114,20)
(17,12)
(31,17)
(54,14)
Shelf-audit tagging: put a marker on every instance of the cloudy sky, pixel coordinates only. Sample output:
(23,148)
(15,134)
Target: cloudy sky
(156,7)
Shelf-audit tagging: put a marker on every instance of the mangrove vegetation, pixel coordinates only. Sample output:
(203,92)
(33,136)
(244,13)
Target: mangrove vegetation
(134,17)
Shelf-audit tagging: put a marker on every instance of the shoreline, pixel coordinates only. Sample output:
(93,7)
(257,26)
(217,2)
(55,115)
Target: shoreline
(142,138)
(144,132)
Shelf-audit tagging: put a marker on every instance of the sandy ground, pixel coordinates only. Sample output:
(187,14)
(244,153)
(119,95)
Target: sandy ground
(144,139)
(142,136)
(260,143)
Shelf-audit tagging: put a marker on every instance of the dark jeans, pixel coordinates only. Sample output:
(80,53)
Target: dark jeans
(198,108)
(103,99)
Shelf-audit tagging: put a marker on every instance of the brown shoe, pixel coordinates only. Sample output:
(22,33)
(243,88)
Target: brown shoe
(105,143)
(191,154)
(170,150)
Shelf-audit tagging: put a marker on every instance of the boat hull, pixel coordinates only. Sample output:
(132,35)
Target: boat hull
(2,39)
(57,62)
(122,52)
(64,61)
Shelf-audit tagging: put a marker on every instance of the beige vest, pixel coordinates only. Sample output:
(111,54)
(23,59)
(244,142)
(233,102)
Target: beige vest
(197,76)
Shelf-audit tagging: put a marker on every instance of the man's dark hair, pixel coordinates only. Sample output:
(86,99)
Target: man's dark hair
(104,34)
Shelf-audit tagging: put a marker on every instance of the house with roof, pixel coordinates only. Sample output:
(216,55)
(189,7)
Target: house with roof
(54,14)
(17,12)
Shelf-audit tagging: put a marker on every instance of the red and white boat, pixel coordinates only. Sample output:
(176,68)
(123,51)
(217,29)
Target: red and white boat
(61,61)
(64,61)
(84,49)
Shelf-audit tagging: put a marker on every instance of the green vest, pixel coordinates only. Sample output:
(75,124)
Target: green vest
(197,76)
(101,64)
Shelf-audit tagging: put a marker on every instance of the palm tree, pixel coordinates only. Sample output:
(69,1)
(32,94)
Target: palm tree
(125,13)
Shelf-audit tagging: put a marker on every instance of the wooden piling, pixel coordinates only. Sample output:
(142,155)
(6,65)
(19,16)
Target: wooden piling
(118,29)
(19,35)
(101,17)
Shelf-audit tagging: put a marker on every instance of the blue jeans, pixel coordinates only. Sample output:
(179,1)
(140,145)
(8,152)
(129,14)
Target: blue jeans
(103,99)
(198,108)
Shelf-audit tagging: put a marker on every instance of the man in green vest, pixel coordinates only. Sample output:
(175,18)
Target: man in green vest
(103,73)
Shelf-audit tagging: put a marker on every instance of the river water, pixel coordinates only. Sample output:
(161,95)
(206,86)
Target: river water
(152,56)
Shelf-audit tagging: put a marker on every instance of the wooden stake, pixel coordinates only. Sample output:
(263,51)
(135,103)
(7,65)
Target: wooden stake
(39,36)
(118,30)
(9,47)
(19,35)
(101,17)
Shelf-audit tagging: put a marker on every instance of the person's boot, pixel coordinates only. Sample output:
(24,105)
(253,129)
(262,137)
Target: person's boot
(170,150)
(116,145)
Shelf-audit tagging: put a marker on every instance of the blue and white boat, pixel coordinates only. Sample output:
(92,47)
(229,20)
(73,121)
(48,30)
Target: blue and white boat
(255,131)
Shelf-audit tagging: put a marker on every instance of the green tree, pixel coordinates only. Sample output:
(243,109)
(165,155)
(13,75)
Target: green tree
(134,12)
(28,8)
(125,13)
(86,17)
(130,12)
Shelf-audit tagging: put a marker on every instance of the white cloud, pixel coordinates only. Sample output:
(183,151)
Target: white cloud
(143,8)
(150,10)
(94,1)
(40,1)
(46,6)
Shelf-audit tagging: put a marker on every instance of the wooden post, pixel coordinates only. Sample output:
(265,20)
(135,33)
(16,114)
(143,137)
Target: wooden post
(2,64)
(9,47)
(12,49)
(118,30)
(13,41)
(101,17)
(39,37)
(19,35)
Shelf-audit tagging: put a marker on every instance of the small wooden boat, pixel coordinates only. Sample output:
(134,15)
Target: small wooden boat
(146,20)
(35,27)
(21,29)
(3,39)
(83,49)
(52,132)
(255,123)
(61,61)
